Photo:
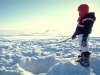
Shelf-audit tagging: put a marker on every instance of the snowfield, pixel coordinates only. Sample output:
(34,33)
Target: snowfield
(33,52)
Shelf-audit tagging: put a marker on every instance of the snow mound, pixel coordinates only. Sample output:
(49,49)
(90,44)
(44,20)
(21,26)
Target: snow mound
(70,67)
(14,70)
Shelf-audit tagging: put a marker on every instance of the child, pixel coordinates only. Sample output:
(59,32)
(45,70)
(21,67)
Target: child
(84,28)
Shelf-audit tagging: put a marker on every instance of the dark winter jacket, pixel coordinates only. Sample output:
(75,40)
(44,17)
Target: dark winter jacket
(85,24)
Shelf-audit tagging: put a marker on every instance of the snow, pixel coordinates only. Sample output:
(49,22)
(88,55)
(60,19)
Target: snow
(34,52)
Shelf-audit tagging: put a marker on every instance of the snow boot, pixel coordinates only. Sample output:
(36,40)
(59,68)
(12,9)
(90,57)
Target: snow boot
(84,59)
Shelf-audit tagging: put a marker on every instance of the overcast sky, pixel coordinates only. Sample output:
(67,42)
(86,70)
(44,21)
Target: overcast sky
(43,14)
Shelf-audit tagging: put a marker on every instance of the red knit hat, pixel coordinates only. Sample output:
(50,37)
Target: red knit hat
(83,10)
(83,7)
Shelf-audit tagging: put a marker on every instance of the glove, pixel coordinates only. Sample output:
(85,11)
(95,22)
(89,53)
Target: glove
(84,42)
(73,36)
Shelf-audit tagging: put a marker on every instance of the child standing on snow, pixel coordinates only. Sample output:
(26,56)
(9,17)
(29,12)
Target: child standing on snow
(85,23)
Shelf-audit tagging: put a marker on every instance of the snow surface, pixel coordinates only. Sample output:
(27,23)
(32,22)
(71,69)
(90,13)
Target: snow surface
(33,52)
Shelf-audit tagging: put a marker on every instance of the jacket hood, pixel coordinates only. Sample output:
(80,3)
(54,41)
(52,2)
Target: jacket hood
(92,15)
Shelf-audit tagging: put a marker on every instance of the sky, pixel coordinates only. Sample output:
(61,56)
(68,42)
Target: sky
(43,14)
